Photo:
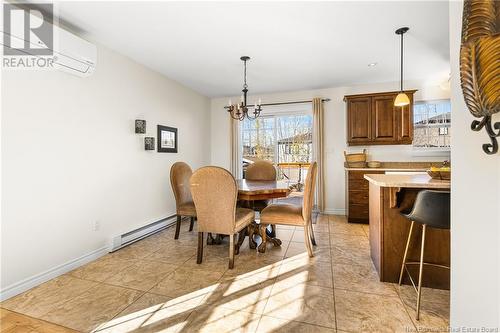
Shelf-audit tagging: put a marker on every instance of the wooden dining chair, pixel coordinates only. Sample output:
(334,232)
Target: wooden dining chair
(214,193)
(180,173)
(295,215)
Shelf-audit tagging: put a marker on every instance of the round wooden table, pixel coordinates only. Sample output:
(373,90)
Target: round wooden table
(252,190)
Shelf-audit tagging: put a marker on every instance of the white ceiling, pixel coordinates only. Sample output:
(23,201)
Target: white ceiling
(293,45)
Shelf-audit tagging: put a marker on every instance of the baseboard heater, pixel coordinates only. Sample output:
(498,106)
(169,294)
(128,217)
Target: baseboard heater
(135,235)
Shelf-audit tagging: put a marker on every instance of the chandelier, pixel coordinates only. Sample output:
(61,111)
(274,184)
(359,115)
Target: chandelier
(241,110)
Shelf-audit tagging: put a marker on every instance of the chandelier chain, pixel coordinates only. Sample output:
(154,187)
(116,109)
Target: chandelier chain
(245,85)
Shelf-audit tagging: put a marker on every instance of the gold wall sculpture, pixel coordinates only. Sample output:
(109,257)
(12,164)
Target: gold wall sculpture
(480,65)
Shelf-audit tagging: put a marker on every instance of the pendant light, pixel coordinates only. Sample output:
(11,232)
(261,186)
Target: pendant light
(402,99)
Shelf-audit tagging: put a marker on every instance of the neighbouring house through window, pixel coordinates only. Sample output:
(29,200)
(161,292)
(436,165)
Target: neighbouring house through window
(284,139)
(432,125)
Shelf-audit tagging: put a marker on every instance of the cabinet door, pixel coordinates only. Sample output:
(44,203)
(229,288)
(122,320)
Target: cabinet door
(384,119)
(405,122)
(359,119)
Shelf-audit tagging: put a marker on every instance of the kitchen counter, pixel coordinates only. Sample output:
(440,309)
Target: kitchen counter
(396,167)
(387,169)
(409,181)
(390,195)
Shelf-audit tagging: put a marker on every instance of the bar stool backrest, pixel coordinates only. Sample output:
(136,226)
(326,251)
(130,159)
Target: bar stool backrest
(432,208)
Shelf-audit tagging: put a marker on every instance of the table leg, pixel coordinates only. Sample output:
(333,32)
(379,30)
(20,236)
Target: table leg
(241,238)
(210,239)
(253,229)
(271,233)
(263,235)
(217,240)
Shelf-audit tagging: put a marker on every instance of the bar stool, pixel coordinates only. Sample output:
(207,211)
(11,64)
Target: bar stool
(431,209)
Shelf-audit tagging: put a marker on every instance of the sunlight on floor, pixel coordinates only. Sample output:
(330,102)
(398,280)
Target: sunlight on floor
(247,291)
(155,285)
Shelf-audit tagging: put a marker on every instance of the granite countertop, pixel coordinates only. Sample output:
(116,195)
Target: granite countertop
(397,166)
(410,181)
(416,169)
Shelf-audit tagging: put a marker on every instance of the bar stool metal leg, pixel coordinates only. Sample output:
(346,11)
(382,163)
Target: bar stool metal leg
(406,253)
(421,268)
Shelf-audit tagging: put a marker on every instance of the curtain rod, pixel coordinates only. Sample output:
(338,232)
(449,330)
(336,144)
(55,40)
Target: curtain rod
(285,103)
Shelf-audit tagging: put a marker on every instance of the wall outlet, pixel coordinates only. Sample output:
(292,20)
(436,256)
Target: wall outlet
(97,225)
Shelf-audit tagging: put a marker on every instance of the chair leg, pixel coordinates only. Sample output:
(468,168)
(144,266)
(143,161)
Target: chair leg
(308,241)
(420,271)
(178,227)
(231,251)
(192,224)
(199,259)
(405,254)
(313,239)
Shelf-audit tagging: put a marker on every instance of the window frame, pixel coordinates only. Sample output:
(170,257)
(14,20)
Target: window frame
(274,112)
(431,151)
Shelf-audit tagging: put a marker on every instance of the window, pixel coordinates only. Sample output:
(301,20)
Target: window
(283,139)
(432,125)
(443,130)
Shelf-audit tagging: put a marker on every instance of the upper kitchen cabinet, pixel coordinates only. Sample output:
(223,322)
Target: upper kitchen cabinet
(359,119)
(372,119)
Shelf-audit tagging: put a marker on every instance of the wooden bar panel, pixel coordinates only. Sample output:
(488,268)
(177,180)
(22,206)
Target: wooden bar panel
(388,234)
(376,217)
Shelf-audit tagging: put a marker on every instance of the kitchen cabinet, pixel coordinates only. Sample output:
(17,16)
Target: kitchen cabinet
(360,119)
(357,195)
(372,119)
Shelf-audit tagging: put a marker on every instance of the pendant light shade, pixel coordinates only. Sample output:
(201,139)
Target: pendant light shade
(402,99)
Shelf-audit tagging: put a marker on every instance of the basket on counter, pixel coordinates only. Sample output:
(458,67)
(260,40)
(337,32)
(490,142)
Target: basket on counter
(357,160)
(439,174)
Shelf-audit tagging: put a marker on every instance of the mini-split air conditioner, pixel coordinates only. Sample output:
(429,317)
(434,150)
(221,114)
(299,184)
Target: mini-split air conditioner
(71,53)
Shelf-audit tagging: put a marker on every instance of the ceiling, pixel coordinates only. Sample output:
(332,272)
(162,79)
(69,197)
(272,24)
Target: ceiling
(293,45)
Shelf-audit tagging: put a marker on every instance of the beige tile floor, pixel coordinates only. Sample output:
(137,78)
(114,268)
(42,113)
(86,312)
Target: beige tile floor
(155,285)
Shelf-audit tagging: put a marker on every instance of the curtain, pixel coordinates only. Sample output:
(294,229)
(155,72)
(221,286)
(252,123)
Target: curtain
(319,150)
(235,148)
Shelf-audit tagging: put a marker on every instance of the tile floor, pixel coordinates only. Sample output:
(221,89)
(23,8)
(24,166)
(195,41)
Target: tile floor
(155,285)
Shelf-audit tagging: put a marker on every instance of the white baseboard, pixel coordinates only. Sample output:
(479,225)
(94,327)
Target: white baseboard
(334,211)
(137,234)
(33,281)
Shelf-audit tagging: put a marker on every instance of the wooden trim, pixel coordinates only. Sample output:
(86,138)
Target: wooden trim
(379,143)
(393,196)
(346,97)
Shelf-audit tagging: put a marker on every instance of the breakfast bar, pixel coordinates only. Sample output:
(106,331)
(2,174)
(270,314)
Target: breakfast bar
(389,196)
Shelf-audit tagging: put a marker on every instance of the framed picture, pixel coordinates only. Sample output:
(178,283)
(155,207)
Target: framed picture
(167,139)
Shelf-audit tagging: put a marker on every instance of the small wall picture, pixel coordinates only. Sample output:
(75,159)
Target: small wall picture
(167,139)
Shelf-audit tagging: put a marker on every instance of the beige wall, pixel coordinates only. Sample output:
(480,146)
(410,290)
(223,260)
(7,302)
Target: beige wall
(475,219)
(70,157)
(335,132)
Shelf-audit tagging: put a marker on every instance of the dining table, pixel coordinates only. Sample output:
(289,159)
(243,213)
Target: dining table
(250,191)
